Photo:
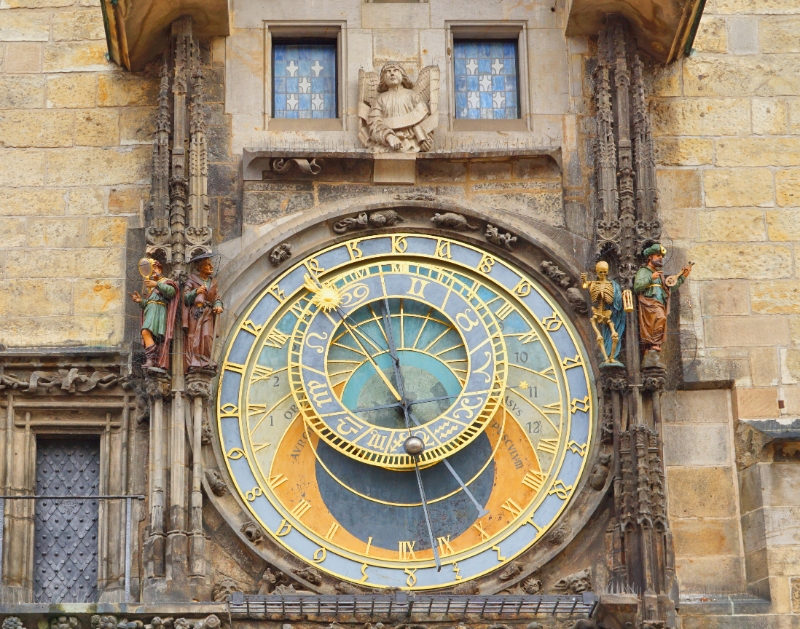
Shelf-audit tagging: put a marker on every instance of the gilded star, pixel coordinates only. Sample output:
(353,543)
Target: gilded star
(523,385)
(326,296)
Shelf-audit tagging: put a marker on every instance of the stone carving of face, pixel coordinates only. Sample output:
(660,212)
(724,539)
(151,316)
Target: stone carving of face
(392,76)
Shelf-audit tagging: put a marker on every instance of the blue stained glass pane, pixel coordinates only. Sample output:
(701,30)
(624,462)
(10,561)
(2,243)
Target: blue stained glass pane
(485,79)
(304,80)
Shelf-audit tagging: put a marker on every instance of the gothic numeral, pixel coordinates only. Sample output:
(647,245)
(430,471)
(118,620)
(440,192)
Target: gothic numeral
(512,507)
(534,480)
(300,509)
(276,481)
(405,550)
(504,310)
(417,287)
(276,339)
(548,445)
(479,527)
(331,531)
(443,250)
(445,548)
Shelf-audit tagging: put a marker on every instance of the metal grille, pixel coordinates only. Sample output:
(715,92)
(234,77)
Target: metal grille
(344,606)
(65,550)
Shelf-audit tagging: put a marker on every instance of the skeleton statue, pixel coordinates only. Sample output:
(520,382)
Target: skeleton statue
(396,114)
(608,313)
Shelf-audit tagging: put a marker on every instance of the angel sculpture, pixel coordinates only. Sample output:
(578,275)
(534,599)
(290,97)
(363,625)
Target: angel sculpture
(397,115)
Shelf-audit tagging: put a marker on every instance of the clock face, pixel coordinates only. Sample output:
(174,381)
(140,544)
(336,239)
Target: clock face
(351,352)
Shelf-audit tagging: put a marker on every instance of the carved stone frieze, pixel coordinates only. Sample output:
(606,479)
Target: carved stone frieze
(216,482)
(514,569)
(575,296)
(496,237)
(309,574)
(470,587)
(575,583)
(280,254)
(65,622)
(158,385)
(13,622)
(207,434)
(451,220)
(198,384)
(532,585)
(283,166)
(373,220)
(223,589)
(67,380)
(559,535)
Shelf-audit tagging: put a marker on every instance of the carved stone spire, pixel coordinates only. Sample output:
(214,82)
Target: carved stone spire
(158,232)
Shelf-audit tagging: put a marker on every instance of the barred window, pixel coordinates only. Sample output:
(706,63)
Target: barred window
(304,80)
(486,79)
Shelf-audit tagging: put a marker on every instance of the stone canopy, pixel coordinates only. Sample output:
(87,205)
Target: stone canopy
(137,31)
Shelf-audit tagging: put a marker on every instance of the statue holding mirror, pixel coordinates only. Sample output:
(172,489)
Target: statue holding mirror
(159,308)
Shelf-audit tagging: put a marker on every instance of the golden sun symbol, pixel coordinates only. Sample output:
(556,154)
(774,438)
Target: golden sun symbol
(326,296)
(523,384)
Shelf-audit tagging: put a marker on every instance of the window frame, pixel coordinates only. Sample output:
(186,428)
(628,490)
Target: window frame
(304,32)
(492,31)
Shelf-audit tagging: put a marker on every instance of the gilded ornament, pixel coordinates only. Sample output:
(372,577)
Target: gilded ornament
(608,314)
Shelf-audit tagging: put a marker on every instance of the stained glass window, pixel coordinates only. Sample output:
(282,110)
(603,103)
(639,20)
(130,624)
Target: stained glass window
(486,80)
(304,80)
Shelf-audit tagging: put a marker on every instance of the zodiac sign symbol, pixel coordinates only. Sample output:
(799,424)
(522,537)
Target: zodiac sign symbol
(482,370)
(465,322)
(319,391)
(560,489)
(467,408)
(321,337)
(355,295)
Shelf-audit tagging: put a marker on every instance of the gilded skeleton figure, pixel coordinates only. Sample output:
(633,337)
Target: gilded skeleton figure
(608,313)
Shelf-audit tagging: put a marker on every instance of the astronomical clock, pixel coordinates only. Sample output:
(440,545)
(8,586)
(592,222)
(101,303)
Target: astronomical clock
(405,410)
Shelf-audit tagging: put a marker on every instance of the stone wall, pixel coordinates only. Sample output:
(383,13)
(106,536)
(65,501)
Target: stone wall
(726,121)
(75,145)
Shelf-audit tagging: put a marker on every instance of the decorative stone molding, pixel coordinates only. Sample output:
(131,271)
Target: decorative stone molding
(67,380)
(283,166)
(451,220)
(373,220)
(496,237)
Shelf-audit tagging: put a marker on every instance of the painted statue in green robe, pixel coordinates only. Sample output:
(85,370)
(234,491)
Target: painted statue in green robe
(159,308)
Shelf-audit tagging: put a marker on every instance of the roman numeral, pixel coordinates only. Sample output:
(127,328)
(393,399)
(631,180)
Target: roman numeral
(256,409)
(479,527)
(512,507)
(331,531)
(405,550)
(445,548)
(504,310)
(300,509)
(417,287)
(548,445)
(534,480)
(530,337)
(276,481)
(260,373)
(276,339)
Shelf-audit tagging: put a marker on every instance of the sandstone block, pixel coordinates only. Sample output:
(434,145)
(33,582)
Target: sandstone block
(775,297)
(401,44)
(24,26)
(489,171)
(36,4)
(96,128)
(794,330)
(712,35)
(782,525)
(787,187)
(743,35)
(770,116)
(36,202)
(136,125)
(701,116)
(757,75)
(100,262)
(77,57)
(21,168)
(783,225)
(684,151)
(750,331)
(764,367)
(700,538)
(438,171)
(756,403)
(794,116)
(705,405)
(758,152)
(45,297)
(779,34)
(779,483)
(12,232)
(49,263)
(55,232)
(547,207)
(72,91)
(78,25)
(667,80)
(731,225)
(763,7)
(725,298)
(679,188)
(701,574)
(741,261)
(95,166)
(115,89)
(789,392)
(98,296)
(701,492)
(679,224)
(23,57)
(790,360)
(262,207)
(126,200)
(389,16)
(60,331)
(36,128)
(106,231)
(696,444)
(738,187)
(21,92)
(86,201)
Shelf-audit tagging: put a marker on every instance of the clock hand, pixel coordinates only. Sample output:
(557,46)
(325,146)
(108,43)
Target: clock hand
(382,375)
(432,399)
(387,324)
(378,408)
(481,511)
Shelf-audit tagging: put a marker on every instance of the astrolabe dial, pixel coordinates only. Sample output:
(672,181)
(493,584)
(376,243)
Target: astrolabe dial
(353,351)
(450,368)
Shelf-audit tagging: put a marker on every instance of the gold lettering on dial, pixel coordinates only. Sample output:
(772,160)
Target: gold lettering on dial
(548,445)
(529,337)
(499,556)
(486,264)
(504,310)
(523,289)
(405,550)
(314,335)
(355,252)
(253,494)
(479,527)
(276,481)
(417,287)
(534,480)
(331,531)
(445,548)
(260,373)
(320,554)
(369,544)
(319,391)
(411,580)
(284,529)
(512,507)
(465,322)
(443,250)
(276,339)
(457,570)
(364,575)
(560,489)
(377,441)
(399,244)
(300,509)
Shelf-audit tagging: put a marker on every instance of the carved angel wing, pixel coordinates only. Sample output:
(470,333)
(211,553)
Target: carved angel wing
(428,87)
